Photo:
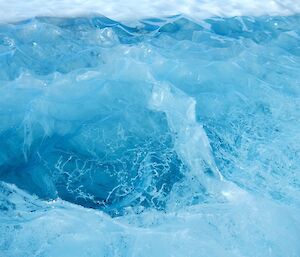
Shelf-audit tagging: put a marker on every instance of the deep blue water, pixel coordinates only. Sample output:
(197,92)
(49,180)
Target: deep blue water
(120,139)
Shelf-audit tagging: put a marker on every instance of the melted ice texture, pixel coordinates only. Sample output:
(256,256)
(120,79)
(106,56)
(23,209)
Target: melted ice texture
(167,138)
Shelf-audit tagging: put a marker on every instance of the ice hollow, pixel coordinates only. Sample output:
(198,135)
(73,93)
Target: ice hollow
(97,145)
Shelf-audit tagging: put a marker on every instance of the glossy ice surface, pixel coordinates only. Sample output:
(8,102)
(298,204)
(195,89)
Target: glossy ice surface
(168,138)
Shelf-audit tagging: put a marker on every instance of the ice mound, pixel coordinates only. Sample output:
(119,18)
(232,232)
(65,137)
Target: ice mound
(168,138)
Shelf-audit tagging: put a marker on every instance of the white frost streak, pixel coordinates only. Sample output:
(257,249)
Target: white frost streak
(14,10)
(191,141)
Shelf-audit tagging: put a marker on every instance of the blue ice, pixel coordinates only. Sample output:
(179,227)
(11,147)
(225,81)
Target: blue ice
(166,138)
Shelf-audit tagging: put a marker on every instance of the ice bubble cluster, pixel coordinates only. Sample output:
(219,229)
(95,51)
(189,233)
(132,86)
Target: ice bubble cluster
(168,138)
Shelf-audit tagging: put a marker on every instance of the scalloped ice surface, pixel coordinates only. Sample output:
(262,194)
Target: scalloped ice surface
(168,138)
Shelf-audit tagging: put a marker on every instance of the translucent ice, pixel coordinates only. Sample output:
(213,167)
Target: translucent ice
(168,138)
